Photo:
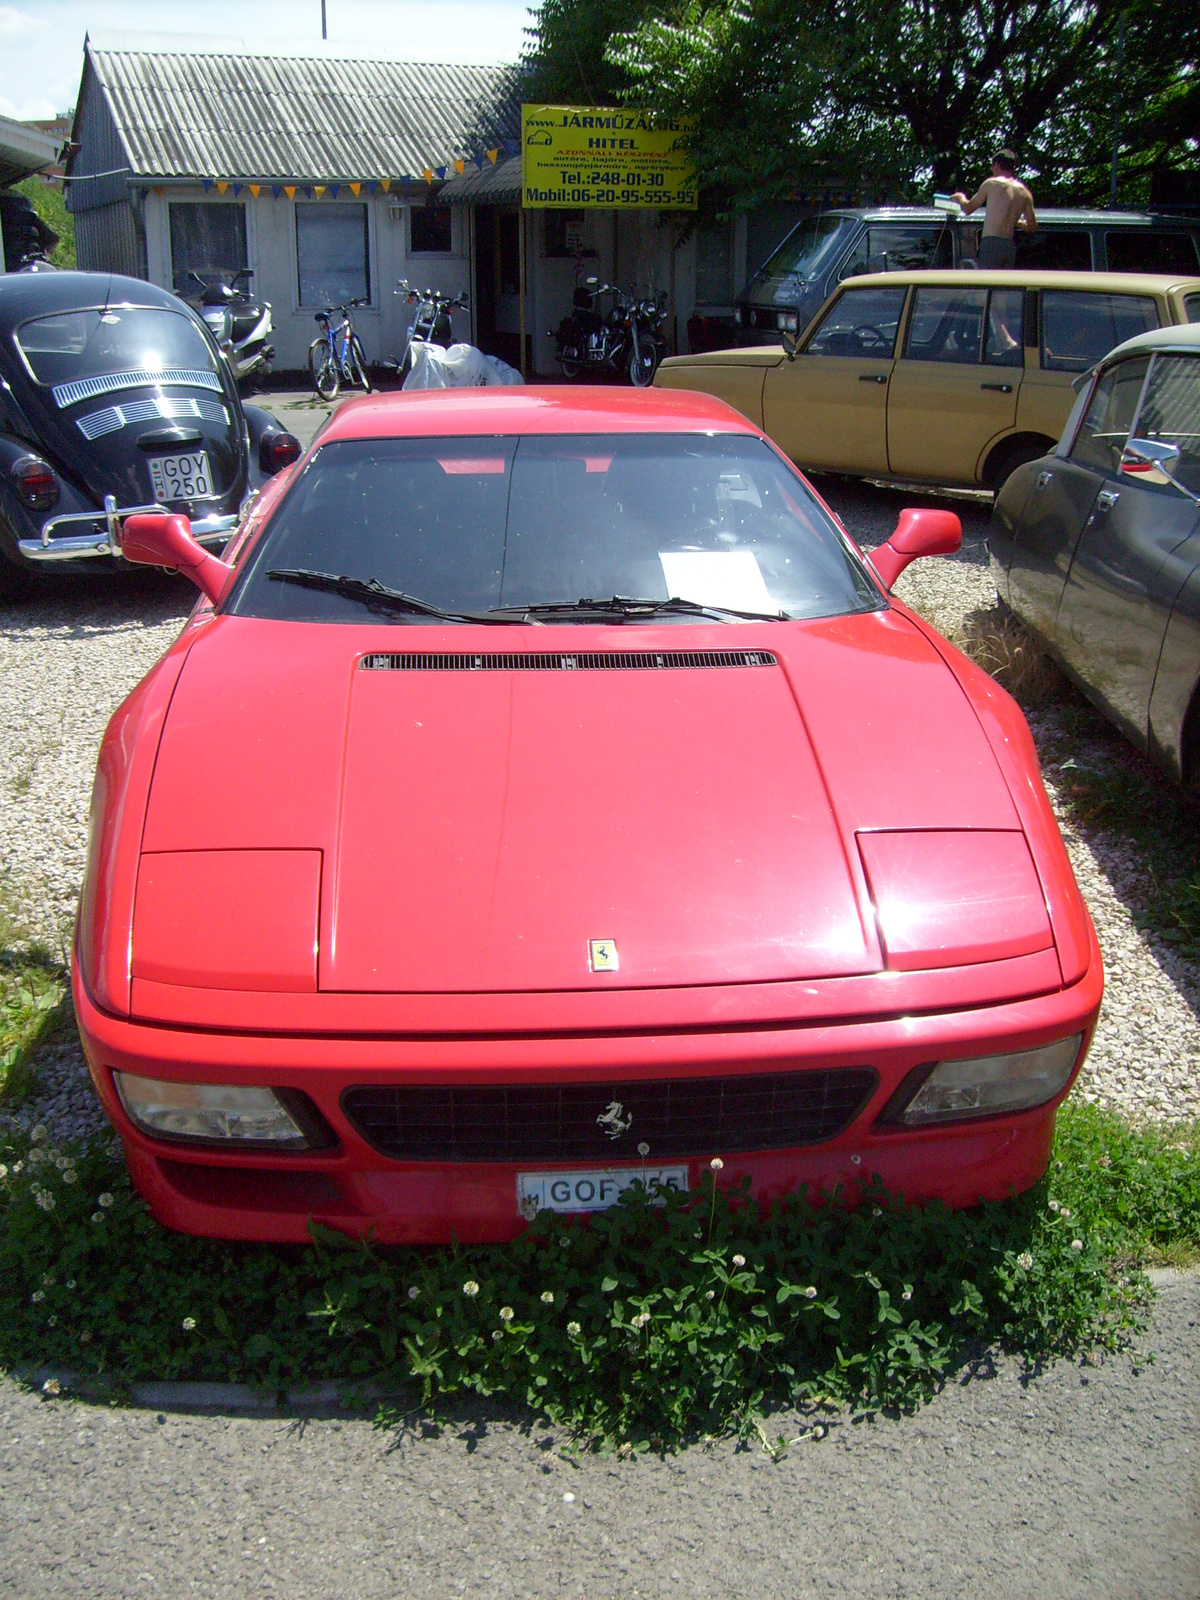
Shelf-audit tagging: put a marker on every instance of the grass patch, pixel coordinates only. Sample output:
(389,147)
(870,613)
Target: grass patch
(999,643)
(34,1003)
(642,1328)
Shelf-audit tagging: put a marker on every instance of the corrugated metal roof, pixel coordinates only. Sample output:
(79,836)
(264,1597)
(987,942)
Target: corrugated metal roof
(299,119)
(498,185)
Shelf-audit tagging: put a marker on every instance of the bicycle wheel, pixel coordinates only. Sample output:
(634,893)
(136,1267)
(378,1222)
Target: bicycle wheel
(358,363)
(323,369)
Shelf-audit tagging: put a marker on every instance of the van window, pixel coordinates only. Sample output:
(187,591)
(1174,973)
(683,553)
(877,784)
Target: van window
(1109,416)
(1080,327)
(906,248)
(1150,250)
(862,323)
(1191,305)
(1170,413)
(1055,250)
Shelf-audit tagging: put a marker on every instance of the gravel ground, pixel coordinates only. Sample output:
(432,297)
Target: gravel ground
(67,661)
(1079,1483)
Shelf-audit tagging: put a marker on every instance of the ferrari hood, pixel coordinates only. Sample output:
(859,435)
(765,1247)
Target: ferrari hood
(632,816)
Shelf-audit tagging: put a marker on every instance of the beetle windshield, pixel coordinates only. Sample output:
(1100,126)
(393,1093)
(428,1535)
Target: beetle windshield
(810,248)
(474,524)
(74,345)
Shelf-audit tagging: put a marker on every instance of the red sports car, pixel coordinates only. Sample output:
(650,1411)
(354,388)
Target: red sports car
(547,796)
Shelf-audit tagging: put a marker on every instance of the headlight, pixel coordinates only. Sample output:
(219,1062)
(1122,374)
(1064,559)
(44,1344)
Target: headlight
(737,316)
(787,321)
(984,1086)
(225,1113)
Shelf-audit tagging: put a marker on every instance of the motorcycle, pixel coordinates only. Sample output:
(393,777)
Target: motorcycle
(627,341)
(432,321)
(114,400)
(240,324)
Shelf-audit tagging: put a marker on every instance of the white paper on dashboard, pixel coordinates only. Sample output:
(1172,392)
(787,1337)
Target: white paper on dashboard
(717,578)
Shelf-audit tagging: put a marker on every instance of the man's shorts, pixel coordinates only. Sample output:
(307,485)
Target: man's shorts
(996,253)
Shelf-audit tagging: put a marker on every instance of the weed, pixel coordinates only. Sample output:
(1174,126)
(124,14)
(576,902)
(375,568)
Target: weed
(645,1326)
(999,643)
(34,1003)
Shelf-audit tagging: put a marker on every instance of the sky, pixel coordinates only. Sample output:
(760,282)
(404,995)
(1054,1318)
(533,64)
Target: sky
(41,41)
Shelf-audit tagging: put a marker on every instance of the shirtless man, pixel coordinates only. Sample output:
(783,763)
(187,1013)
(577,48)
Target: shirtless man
(1009,206)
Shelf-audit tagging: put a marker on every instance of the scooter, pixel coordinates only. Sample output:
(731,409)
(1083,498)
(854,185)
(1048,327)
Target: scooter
(432,321)
(240,324)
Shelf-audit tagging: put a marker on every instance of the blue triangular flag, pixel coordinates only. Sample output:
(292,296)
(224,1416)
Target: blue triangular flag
(371,186)
(333,190)
(206,184)
(440,174)
(277,190)
(237,189)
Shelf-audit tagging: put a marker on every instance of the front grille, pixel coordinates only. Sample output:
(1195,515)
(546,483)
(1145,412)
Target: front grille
(567,661)
(560,1122)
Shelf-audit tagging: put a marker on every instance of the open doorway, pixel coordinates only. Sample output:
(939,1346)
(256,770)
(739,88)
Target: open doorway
(498,282)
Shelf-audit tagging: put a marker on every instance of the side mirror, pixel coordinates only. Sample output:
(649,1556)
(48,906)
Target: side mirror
(1154,462)
(158,541)
(918,533)
(277,450)
(790,345)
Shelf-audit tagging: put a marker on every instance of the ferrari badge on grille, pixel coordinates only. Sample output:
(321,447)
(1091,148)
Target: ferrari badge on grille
(602,955)
(615,1120)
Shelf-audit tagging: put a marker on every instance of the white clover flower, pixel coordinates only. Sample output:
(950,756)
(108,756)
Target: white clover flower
(413,1292)
(38,1296)
(876,1212)
(1054,1205)
(1063,1212)
(573,1330)
(18,1166)
(642,1318)
(506,1313)
(547,1297)
(499,1334)
(3,1172)
(35,1188)
(710,1294)
(1025,1260)
(716,1163)
(1076,1244)
(470,1288)
(564,1239)
(643,1148)
(47,1280)
(97,1216)
(70,1175)
(70,1283)
(188,1324)
(739,1261)
(36,1157)
(856,1161)
(907,1295)
(52,1386)
(38,1134)
(811,1292)
(106,1200)
(51,1321)
(46,1200)
(62,1163)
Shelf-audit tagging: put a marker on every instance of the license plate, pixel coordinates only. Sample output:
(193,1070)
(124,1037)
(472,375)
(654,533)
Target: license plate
(182,477)
(591,1191)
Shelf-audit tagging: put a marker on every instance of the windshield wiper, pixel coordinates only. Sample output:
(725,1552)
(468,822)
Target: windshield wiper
(377,596)
(630,610)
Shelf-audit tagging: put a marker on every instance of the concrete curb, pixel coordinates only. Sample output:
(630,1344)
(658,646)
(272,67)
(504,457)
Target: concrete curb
(172,1395)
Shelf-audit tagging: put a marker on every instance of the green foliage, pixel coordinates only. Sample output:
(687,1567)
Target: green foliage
(645,1326)
(34,1003)
(566,58)
(47,201)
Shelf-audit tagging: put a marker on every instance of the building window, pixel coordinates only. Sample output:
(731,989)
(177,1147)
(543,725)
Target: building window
(564,234)
(429,230)
(331,254)
(206,238)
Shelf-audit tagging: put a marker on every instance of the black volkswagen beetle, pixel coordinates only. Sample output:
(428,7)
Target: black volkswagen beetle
(1096,547)
(115,399)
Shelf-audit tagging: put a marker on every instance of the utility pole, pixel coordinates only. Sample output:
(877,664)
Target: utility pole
(324,34)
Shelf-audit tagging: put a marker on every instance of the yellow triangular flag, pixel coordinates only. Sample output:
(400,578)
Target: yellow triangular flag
(222,185)
(458,166)
(289,189)
(354,188)
(428,174)
(254,189)
(385,184)
(318,190)
(491,155)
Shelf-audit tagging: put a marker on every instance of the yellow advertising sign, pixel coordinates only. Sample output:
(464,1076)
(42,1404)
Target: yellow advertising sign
(599,157)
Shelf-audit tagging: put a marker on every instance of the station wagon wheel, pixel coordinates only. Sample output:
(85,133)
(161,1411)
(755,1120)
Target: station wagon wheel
(323,368)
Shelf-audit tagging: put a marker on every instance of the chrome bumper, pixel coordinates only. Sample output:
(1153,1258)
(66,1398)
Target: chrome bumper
(106,540)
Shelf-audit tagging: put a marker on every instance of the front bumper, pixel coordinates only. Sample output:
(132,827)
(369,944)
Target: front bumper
(352,1188)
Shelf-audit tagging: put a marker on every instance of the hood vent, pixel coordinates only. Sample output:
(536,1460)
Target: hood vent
(567,661)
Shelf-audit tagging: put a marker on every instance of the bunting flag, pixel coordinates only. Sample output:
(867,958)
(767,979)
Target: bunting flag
(318,189)
(289,189)
(478,160)
(371,186)
(354,189)
(385,184)
(206,184)
(458,167)
(428,174)
(255,189)
(222,185)
(334,190)
(441,174)
(277,190)
(492,156)
(237,189)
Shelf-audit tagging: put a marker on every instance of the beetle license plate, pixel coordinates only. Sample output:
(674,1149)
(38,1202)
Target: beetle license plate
(591,1191)
(180,477)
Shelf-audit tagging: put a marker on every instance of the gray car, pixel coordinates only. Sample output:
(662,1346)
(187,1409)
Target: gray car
(1096,547)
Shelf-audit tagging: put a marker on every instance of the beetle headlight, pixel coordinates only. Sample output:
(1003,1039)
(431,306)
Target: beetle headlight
(984,1086)
(222,1113)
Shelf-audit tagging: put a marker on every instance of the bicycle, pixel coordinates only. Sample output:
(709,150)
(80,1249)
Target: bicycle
(333,363)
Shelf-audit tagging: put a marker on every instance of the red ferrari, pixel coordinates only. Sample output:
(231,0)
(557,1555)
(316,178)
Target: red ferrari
(547,796)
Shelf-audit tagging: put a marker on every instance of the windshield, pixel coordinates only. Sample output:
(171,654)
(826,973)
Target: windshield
(469,525)
(154,344)
(809,249)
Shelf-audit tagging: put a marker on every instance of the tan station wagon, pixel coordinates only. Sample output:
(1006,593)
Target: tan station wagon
(950,377)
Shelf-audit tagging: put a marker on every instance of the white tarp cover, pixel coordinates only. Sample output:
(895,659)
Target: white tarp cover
(462,366)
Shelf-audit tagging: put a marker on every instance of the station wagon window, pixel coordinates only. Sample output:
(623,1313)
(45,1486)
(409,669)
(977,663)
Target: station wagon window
(208,238)
(1079,327)
(1109,416)
(1054,250)
(948,324)
(1170,413)
(862,324)
(1150,250)
(331,253)
(900,249)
